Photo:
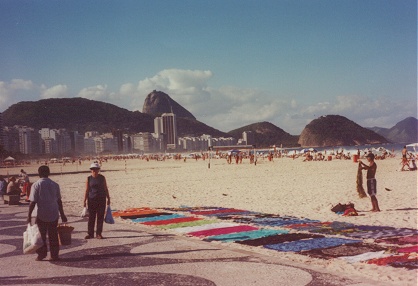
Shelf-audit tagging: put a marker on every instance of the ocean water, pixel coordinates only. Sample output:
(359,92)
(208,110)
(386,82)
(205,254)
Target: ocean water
(395,148)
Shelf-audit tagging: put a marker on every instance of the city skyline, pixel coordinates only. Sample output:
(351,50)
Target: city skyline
(229,63)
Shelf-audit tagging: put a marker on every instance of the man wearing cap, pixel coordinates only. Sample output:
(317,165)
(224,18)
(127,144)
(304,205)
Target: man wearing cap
(95,199)
(371,181)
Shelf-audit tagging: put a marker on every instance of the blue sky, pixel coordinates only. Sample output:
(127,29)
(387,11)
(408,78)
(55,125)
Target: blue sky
(230,63)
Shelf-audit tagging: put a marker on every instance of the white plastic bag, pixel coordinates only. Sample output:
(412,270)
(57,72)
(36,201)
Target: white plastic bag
(84,212)
(108,216)
(32,239)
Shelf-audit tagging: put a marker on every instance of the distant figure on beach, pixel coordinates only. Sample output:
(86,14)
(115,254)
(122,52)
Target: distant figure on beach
(405,162)
(3,186)
(371,181)
(95,200)
(13,187)
(412,165)
(26,182)
(46,194)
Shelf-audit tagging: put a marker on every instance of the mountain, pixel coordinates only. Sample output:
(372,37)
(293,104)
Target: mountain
(335,130)
(80,114)
(404,131)
(158,102)
(76,114)
(267,134)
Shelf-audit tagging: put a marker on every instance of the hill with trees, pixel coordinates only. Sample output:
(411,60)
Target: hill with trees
(267,134)
(336,130)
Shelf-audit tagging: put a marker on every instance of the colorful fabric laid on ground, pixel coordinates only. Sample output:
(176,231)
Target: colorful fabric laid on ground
(308,226)
(410,264)
(400,240)
(217,212)
(158,217)
(343,250)
(280,221)
(278,239)
(365,256)
(186,224)
(142,215)
(332,228)
(408,249)
(383,232)
(241,226)
(244,235)
(309,244)
(134,212)
(222,230)
(211,225)
(173,220)
(389,260)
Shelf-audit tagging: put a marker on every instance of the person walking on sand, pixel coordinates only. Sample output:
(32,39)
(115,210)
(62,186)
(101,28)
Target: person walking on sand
(371,181)
(95,200)
(405,162)
(46,194)
(26,183)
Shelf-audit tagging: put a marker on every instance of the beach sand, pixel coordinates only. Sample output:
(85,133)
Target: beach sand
(284,186)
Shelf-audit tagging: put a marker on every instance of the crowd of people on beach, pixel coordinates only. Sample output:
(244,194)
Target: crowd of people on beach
(45,193)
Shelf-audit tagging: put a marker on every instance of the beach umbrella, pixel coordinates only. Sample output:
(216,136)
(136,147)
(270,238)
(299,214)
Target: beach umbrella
(413,145)
(9,159)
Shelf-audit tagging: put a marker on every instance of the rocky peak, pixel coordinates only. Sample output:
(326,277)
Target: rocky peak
(335,130)
(158,102)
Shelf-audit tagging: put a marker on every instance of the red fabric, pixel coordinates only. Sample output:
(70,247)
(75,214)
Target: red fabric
(350,212)
(216,211)
(223,230)
(408,249)
(173,220)
(390,259)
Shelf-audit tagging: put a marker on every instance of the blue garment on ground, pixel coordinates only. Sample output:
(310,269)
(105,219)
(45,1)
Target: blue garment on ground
(156,218)
(383,233)
(281,221)
(309,244)
(245,235)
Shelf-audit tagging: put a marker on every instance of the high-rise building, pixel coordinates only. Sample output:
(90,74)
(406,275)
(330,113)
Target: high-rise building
(29,140)
(158,127)
(248,138)
(169,130)
(118,135)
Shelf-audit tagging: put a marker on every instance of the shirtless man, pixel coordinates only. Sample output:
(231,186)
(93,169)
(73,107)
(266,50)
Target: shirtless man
(405,162)
(371,181)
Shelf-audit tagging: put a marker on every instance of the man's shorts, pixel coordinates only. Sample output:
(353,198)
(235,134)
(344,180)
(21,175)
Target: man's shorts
(371,187)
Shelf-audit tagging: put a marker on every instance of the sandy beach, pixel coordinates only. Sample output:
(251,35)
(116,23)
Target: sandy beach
(283,186)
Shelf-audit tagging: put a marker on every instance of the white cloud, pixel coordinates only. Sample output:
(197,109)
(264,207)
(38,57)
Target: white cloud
(98,92)
(16,90)
(57,91)
(20,84)
(184,86)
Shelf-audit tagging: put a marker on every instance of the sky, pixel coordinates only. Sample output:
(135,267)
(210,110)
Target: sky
(230,63)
